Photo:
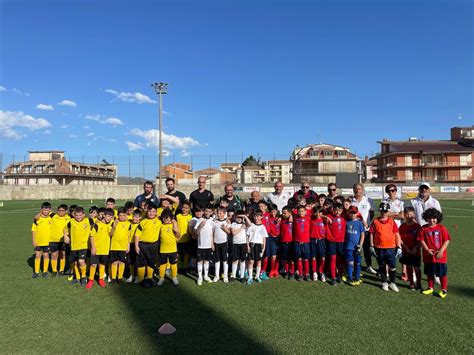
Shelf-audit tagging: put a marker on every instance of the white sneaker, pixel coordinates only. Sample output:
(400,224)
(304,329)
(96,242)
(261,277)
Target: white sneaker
(323,277)
(160,282)
(199,282)
(226,280)
(393,287)
(109,279)
(315,276)
(371,270)
(129,280)
(215,279)
(207,279)
(385,286)
(175,281)
(437,281)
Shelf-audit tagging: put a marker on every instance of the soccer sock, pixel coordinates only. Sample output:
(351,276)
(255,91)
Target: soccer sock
(162,271)
(383,273)
(92,272)
(121,269)
(322,263)
(45,264)
(62,265)
(430,281)
(174,271)
(242,269)
(186,260)
(76,272)
(226,269)
(234,270)
(418,276)
(199,267)
(314,266)
(340,262)
(272,266)
(332,265)
(265,264)
(37,265)
(132,269)
(149,273)
(217,268)
(306,266)
(257,271)
(357,270)
(350,270)
(292,267)
(113,271)
(54,265)
(410,275)
(286,265)
(141,273)
(83,271)
(392,274)
(250,272)
(444,282)
(101,271)
(206,269)
(300,267)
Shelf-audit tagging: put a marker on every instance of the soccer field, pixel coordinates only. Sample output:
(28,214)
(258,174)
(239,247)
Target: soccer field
(277,316)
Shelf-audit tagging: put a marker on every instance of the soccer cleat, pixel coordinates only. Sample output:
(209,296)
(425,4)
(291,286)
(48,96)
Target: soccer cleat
(371,270)
(259,280)
(101,283)
(276,274)
(306,278)
(113,282)
(70,278)
(54,274)
(333,282)
(73,281)
(443,294)
(315,276)
(249,281)
(160,282)
(215,279)
(393,287)
(199,281)
(412,287)
(120,282)
(323,277)
(264,276)
(137,281)
(130,279)
(89,284)
(428,291)
(83,281)
(344,278)
(35,275)
(61,273)
(232,279)
(291,276)
(272,274)
(418,286)
(246,274)
(353,283)
(226,280)
(45,274)
(385,286)
(338,280)
(207,279)
(284,275)
(175,281)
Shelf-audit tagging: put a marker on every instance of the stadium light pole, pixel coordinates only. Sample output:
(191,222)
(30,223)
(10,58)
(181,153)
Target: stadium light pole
(160,89)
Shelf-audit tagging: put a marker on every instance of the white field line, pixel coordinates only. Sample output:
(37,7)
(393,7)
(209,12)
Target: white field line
(457,209)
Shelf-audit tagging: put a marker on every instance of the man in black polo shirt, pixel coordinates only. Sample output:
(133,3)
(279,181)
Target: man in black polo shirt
(234,201)
(170,186)
(148,194)
(201,197)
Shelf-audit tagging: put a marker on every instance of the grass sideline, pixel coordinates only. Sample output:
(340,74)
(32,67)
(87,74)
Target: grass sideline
(278,316)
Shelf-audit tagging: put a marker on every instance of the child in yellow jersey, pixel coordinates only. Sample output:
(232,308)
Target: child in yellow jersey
(129,208)
(56,240)
(100,246)
(167,202)
(77,233)
(132,256)
(169,233)
(94,213)
(184,240)
(146,246)
(119,245)
(110,203)
(41,232)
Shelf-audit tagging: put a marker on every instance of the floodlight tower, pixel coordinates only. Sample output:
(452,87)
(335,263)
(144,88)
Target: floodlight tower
(160,89)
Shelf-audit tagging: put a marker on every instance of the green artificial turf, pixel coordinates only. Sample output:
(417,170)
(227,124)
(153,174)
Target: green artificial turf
(278,316)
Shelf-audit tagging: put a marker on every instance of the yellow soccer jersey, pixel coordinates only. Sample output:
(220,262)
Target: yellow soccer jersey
(148,230)
(120,238)
(160,210)
(100,233)
(42,227)
(57,228)
(183,222)
(168,243)
(131,235)
(79,233)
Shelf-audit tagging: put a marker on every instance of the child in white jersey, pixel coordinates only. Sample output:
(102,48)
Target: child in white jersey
(239,245)
(220,232)
(257,235)
(204,230)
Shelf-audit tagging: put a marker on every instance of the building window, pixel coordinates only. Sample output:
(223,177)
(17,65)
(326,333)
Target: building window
(328,153)
(341,153)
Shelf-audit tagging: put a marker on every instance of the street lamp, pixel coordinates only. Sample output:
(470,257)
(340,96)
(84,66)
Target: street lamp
(160,89)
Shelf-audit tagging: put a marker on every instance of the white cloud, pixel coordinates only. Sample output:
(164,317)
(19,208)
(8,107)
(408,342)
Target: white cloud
(16,91)
(133,147)
(11,119)
(169,140)
(135,97)
(113,121)
(45,107)
(67,103)
(111,140)
(93,117)
(73,136)
(64,126)
(185,153)
(86,126)
(2,88)
(47,131)
(90,134)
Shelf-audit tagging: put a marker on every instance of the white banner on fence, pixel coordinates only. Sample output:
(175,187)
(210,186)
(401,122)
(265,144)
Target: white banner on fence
(347,192)
(375,192)
(320,190)
(408,189)
(449,188)
(289,190)
(251,188)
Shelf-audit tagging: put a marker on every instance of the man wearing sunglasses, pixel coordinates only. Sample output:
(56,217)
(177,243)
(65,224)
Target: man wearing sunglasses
(306,192)
(332,187)
(396,205)
(424,201)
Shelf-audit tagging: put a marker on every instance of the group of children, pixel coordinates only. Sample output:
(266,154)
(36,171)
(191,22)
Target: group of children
(308,240)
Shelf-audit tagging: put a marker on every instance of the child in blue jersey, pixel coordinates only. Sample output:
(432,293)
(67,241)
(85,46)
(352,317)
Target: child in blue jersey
(355,232)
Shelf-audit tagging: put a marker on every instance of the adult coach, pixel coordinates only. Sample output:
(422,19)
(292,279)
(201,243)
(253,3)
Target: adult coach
(233,200)
(423,201)
(306,192)
(396,205)
(171,187)
(278,197)
(332,188)
(148,194)
(252,203)
(365,206)
(201,197)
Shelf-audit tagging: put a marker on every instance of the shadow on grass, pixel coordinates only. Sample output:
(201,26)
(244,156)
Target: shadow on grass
(464,291)
(200,328)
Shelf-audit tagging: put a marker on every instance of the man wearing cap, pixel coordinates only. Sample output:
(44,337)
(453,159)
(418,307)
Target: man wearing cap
(424,201)
(366,209)
(278,197)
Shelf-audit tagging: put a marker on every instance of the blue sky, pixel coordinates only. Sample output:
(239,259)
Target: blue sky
(244,76)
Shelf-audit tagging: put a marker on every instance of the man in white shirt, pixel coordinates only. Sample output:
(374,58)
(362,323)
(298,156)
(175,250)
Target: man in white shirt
(365,206)
(278,197)
(424,201)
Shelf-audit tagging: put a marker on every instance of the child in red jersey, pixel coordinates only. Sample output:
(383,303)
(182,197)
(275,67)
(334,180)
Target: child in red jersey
(336,231)
(411,247)
(434,239)
(262,206)
(286,239)
(318,243)
(301,238)
(272,241)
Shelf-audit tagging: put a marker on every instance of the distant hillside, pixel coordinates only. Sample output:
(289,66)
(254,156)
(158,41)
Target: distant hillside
(125,180)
